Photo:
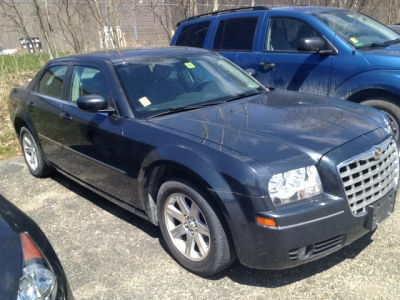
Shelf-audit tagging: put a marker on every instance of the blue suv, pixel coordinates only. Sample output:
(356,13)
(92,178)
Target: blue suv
(320,50)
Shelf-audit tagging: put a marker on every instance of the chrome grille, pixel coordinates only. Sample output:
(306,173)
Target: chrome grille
(370,175)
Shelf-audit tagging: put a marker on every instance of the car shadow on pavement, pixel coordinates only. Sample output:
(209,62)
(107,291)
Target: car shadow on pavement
(107,205)
(237,272)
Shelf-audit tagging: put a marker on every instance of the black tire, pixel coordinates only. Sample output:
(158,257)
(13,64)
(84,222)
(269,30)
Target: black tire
(391,110)
(220,252)
(41,169)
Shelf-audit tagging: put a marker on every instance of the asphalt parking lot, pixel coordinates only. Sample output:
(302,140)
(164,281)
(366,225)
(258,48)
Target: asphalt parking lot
(108,253)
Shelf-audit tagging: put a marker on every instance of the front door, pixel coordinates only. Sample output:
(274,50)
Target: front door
(94,146)
(282,66)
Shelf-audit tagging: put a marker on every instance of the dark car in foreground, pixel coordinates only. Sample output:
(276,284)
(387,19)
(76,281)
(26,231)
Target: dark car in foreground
(312,49)
(29,267)
(187,140)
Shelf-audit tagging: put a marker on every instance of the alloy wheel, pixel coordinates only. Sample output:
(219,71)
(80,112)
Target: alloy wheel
(30,152)
(187,227)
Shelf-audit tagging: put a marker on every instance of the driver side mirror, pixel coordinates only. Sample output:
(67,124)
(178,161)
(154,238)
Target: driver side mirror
(313,44)
(93,103)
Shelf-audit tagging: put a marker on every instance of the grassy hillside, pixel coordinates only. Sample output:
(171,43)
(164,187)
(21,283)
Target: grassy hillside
(14,70)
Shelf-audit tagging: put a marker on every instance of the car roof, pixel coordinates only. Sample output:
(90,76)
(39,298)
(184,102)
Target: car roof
(121,55)
(306,9)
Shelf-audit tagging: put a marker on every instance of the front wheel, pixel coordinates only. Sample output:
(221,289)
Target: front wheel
(192,230)
(391,110)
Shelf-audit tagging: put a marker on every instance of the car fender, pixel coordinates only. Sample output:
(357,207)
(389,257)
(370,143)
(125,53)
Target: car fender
(228,194)
(22,114)
(376,79)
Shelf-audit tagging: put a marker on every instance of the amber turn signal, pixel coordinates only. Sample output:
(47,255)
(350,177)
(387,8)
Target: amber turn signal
(29,248)
(265,221)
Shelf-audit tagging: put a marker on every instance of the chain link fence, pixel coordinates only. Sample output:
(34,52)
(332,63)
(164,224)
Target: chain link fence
(84,25)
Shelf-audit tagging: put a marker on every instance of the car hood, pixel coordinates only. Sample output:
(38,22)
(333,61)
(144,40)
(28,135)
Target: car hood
(10,261)
(277,126)
(384,56)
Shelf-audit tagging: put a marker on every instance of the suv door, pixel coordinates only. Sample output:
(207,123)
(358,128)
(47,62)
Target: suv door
(237,37)
(281,65)
(94,147)
(44,108)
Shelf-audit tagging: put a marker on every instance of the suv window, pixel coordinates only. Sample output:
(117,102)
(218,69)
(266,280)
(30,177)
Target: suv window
(284,33)
(87,81)
(236,34)
(193,35)
(51,83)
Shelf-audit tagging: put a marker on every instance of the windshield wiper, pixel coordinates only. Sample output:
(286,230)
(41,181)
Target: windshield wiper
(380,44)
(242,95)
(201,105)
(182,108)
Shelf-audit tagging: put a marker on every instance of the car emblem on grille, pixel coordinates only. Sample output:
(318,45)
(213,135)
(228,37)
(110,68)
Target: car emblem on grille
(378,152)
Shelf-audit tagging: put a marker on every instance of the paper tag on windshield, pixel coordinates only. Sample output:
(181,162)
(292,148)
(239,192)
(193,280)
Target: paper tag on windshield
(145,101)
(189,65)
(354,40)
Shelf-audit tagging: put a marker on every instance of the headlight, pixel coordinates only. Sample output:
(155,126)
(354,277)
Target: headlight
(38,281)
(388,127)
(294,185)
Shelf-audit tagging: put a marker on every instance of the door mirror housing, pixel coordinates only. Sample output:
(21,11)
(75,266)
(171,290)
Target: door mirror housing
(93,103)
(313,44)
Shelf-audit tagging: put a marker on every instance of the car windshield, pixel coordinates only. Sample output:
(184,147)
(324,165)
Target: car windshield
(358,29)
(154,86)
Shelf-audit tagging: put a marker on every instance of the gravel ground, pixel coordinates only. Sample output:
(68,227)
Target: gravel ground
(108,253)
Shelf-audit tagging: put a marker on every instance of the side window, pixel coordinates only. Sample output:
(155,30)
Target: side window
(236,34)
(193,35)
(284,33)
(87,81)
(51,83)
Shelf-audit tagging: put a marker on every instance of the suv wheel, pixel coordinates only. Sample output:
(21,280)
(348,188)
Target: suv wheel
(32,154)
(391,110)
(191,229)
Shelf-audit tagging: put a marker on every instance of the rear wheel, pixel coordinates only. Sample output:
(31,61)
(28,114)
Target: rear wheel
(391,110)
(32,154)
(191,229)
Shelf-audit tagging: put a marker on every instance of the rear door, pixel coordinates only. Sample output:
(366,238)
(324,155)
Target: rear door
(94,147)
(281,65)
(44,107)
(236,37)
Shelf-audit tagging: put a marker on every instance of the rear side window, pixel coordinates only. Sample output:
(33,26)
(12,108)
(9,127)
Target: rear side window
(52,82)
(193,35)
(236,34)
(87,81)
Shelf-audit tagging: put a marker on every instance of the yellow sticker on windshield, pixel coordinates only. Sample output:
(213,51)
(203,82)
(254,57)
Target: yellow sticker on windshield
(190,65)
(354,40)
(145,101)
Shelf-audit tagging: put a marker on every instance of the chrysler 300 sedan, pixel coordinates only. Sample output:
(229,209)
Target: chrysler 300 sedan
(225,167)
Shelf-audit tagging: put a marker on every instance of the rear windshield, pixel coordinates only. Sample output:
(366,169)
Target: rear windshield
(157,85)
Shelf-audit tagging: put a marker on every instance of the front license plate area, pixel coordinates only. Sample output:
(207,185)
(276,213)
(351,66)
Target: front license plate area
(380,210)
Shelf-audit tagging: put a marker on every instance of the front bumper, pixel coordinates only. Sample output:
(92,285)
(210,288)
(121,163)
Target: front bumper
(325,224)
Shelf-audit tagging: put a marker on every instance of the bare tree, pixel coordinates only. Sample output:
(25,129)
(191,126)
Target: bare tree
(46,29)
(69,19)
(12,13)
